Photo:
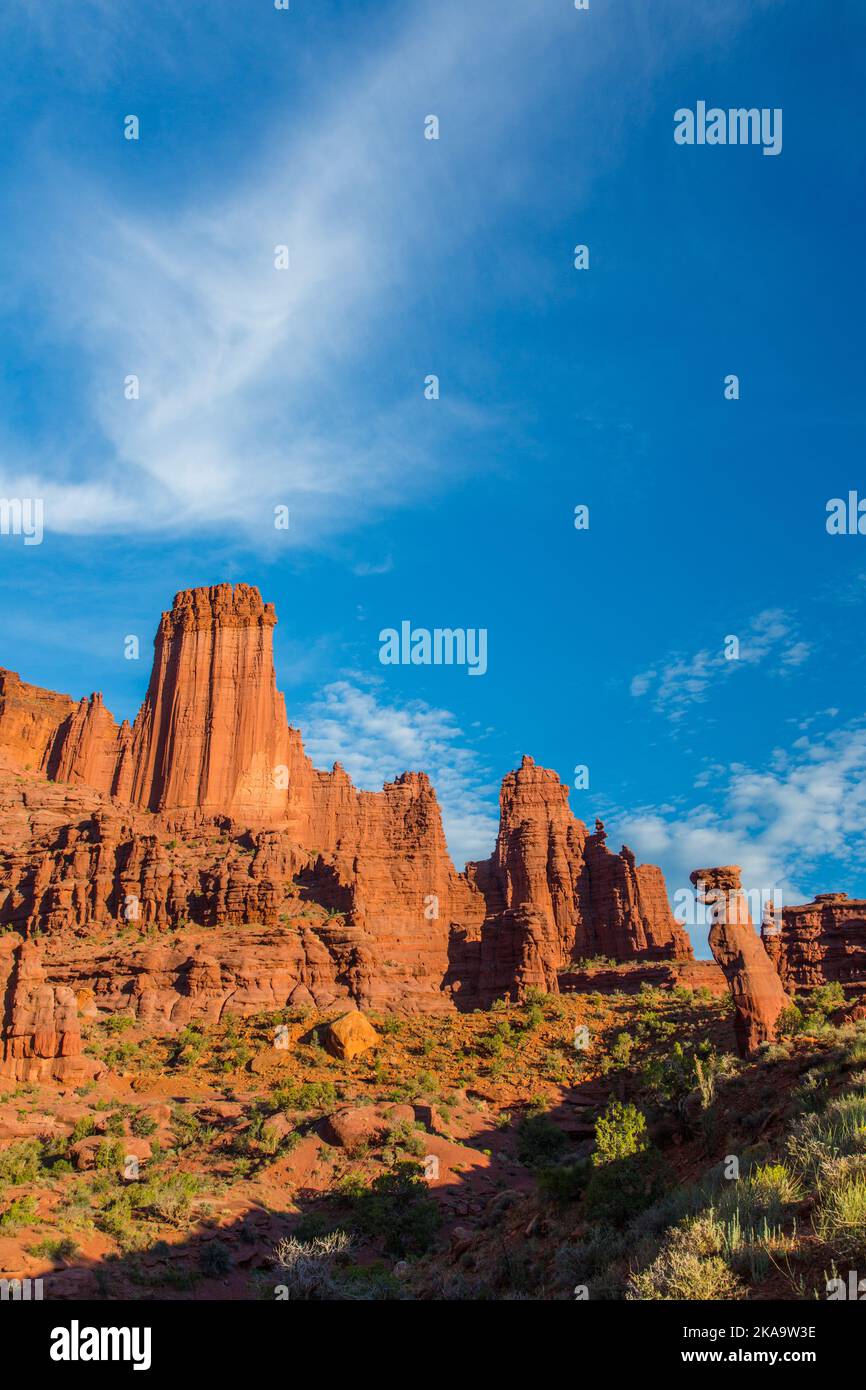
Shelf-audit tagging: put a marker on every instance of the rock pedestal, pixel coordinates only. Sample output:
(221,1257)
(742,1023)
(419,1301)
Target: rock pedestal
(756,989)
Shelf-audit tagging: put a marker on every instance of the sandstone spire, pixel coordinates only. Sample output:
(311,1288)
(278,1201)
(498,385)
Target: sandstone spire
(212,732)
(757,991)
(211,742)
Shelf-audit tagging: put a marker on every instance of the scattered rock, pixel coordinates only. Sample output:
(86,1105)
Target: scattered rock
(355,1126)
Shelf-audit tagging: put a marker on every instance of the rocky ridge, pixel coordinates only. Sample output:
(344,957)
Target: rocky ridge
(206,811)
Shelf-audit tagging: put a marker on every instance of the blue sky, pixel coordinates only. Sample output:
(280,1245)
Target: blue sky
(455,257)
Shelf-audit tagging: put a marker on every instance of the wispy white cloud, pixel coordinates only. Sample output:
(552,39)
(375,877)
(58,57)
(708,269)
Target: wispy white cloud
(376,740)
(680,681)
(259,386)
(367,568)
(255,386)
(805,809)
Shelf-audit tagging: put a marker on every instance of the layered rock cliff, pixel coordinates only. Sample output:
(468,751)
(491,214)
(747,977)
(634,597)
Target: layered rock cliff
(822,942)
(40,1036)
(207,811)
(29,719)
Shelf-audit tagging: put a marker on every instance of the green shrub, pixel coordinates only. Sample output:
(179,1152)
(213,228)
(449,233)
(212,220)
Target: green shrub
(565,1183)
(619,1056)
(20,1163)
(21,1211)
(627,1174)
(619,1133)
(539,1141)
(827,998)
(55,1248)
(840,1219)
(214,1259)
(302,1096)
(142,1124)
(110,1155)
(397,1209)
(168,1197)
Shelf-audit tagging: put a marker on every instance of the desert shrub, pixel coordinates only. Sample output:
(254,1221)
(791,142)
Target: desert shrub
(168,1197)
(82,1129)
(118,1023)
(303,1096)
(627,1173)
(493,1044)
(539,1141)
(855,1055)
(114,1216)
(750,1213)
(672,1207)
(307,1269)
(690,1266)
(109,1155)
(371,1282)
(837,1131)
(565,1182)
(810,1013)
(813,1091)
(214,1259)
(672,1078)
(142,1124)
(589,1260)
(189,1045)
(826,998)
(403,1138)
(533,1018)
(55,1248)
(619,1055)
(619,1191)
(187,1127)
(397,1209)
(766,1191)
(840,1218)
(619,1133)
(20,1163)
(20,1212)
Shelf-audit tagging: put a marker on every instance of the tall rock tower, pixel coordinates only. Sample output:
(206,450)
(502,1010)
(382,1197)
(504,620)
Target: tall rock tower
(212,733)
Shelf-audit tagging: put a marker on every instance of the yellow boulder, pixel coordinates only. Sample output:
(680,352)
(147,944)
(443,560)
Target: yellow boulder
(350,1036)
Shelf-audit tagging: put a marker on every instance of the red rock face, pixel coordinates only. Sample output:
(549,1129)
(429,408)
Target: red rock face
(756,989)
(41,1038)
(628,911)
(819,943)
(208,811)
(29,719)
(89,748)
(211,736)
(554,893)
(212,732)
